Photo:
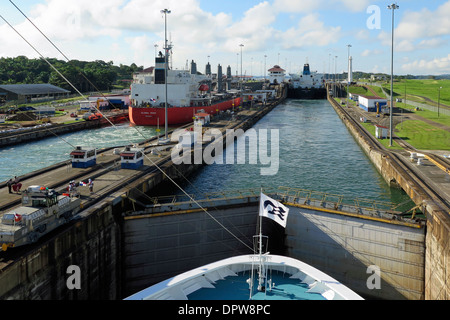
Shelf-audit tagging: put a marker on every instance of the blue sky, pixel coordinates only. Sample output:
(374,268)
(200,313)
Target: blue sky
(288,32)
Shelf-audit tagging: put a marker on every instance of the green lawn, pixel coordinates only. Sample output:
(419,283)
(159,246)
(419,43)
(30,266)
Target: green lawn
(385,142)
(423,136)
(378,91)
(421,87)
(430,115)
(358,90)
(417,133)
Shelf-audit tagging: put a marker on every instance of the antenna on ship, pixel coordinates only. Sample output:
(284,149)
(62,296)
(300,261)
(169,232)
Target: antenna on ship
(171,52)
(277,212)
(259,256)
(166,48)
(261,267)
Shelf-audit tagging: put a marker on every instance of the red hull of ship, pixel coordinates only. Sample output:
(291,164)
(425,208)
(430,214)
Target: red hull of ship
(175,115)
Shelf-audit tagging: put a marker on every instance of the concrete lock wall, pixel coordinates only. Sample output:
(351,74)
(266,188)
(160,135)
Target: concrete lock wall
(344,247)
(437,261)
(91,245)
(160,246)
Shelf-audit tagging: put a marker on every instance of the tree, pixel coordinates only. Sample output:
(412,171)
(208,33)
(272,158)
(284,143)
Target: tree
(103,75)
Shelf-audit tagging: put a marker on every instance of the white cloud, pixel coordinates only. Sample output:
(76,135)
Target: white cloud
(432,43)
(425,23)
(296,6)
(354,5)
(253,30)
(420,30)
(310,30)
(404,46)
(307,6)
(367,52)
(433,66)
(363,34)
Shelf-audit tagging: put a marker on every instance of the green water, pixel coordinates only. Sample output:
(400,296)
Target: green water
(317,152)
(28,157)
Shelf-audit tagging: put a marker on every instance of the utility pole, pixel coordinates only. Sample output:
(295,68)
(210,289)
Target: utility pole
(392,7)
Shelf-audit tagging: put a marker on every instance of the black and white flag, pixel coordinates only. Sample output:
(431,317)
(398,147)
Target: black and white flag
(272,209)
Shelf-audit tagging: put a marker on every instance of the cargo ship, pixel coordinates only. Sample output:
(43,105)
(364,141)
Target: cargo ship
(188,93)
(307,85)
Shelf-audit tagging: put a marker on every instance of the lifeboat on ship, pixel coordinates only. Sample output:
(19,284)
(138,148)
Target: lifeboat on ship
(204,87)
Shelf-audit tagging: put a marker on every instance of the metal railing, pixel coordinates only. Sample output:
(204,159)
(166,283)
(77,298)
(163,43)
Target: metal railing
(281,193)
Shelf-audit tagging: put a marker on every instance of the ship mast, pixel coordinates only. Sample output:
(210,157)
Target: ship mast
(166,48)
(261,266)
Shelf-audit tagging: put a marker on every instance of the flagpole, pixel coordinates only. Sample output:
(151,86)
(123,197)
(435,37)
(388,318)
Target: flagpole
(260,245)
(260,226)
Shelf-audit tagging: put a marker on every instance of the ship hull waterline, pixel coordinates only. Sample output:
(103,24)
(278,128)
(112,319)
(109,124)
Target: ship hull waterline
(148,116)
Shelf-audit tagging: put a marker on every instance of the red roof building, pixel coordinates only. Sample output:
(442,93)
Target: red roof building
(276,74)
(277,69)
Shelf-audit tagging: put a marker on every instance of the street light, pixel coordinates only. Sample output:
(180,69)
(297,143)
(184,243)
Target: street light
(439,98)
(329,67)
(348,76)
(166,62)
(241,45)
(335,77)
(265,57)
(392,7)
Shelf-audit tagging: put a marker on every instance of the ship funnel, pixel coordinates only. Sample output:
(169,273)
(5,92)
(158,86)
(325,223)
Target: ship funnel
(306,70)
(193,67)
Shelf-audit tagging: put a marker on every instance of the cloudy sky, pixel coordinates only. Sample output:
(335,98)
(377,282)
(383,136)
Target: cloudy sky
(288,32)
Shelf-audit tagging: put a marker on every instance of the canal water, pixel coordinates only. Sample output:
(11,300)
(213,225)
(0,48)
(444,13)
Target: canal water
(316,152)
(28,157)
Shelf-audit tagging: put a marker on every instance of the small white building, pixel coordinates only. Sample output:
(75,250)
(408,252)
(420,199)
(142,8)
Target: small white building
(277,74)
(369,103)
(202,118)
(381,132)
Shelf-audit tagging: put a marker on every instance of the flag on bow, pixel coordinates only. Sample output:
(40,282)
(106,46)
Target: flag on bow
(273,209)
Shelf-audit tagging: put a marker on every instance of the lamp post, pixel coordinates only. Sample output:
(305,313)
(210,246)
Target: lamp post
(348,76)
(439,99)
(329,67)
(241,45)
(392,7)
(166,62)
(265,57)
(335,76)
